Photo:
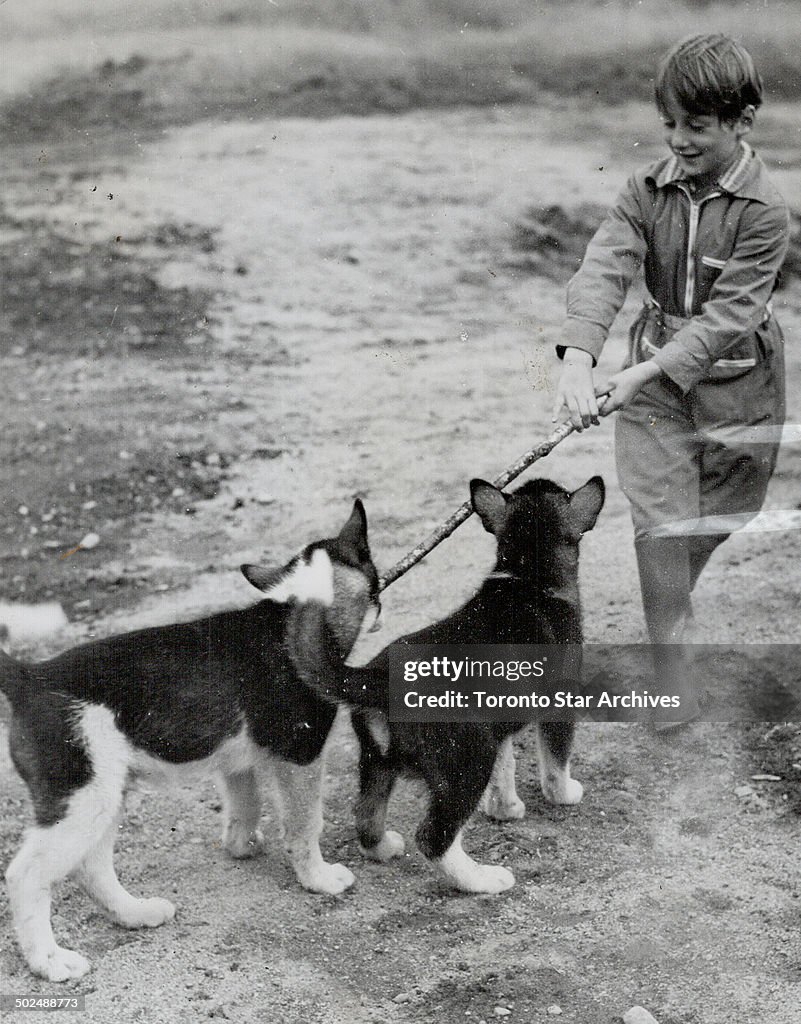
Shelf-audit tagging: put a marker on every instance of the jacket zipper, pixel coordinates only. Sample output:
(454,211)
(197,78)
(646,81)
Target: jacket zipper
(692,234)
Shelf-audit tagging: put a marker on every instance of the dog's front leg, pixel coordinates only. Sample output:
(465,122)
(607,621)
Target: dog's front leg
(242,813)
(299,797)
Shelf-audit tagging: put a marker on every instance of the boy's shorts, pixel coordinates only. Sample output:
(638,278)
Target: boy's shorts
(683,456)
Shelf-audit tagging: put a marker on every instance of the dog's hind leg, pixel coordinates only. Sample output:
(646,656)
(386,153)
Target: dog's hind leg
(500,799)
(97,876)
(48,854)
(242,813)
(453,800)
(469,876)
(299,798)
(554,741)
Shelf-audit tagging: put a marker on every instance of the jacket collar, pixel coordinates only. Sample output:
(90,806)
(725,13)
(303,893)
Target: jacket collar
(744,177)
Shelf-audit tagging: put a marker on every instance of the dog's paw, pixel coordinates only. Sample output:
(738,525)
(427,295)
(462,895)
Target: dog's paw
(331,879)
(149,913)
(390,845)
(486,878)
(565,791)
(242,842)
(58,964)
(502,808)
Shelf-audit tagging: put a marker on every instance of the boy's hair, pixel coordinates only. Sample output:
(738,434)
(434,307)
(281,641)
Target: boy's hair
(709,74)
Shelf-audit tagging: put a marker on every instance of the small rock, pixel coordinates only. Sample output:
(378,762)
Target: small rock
(766,778)
(501,1011)
(638,1015)
(91,540)
(743,792)
(264,499)
(554,1010)
(402,997)
(23,510)
(89,505)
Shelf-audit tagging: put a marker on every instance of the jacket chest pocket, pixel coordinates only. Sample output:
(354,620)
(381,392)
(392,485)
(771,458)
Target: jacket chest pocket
(708,270)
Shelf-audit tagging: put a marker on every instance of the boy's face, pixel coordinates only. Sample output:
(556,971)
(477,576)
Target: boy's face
(703,144)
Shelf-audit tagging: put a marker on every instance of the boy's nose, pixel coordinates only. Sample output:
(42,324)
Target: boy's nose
(678,138)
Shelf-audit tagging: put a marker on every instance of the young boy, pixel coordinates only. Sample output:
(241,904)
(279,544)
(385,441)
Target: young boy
(706,354)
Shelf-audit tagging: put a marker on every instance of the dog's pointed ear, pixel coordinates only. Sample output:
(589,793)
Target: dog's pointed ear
(490,505)
(353,534)
(263,578)
(587,502)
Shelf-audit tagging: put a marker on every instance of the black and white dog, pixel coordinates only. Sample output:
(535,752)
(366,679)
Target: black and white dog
(220,694)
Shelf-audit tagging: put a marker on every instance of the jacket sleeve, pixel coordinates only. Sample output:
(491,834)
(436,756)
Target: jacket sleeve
(598,289)
(737,300)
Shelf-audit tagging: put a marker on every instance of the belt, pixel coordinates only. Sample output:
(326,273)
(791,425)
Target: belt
(675,323)
(721,367)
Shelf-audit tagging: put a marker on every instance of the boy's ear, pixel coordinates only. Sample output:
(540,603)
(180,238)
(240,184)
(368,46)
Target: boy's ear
(489,504)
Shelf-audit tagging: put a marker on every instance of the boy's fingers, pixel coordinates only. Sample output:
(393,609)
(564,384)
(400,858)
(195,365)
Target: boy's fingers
(574,412)
(609,405)
(583,413)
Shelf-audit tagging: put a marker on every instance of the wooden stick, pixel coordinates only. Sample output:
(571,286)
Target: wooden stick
(466,510)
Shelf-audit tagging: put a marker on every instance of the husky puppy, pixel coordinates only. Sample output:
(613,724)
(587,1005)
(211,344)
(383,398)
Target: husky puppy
(220,694)
(532,597)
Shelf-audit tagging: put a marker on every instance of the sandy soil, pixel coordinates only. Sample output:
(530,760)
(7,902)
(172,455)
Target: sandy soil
(367,329)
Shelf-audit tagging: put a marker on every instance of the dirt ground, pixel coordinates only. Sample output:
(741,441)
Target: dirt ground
(213,338)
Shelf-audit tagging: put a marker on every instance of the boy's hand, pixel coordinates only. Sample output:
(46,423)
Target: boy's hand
(623,386)
(575,391)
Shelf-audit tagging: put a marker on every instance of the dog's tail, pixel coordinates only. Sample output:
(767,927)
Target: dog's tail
(24,624)
(13,678)
(29,623)
(357,687)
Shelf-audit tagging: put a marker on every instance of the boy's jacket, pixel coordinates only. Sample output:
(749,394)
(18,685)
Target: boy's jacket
(713,257)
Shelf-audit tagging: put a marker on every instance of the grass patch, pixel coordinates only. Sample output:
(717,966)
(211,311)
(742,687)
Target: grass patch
(250,59)
(66,296)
